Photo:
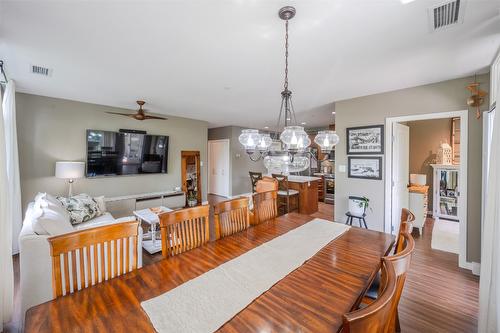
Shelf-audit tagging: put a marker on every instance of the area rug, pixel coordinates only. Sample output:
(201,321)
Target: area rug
(445,236)
(205,303)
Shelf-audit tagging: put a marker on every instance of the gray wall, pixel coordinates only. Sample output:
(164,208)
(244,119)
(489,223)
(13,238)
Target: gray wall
(239,163)
(425,138)
(51,130)
(373,110)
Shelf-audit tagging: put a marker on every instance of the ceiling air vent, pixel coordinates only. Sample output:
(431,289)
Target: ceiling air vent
(41,70)
(446,14)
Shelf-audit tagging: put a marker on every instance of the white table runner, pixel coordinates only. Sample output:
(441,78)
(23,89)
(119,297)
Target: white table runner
(206,302)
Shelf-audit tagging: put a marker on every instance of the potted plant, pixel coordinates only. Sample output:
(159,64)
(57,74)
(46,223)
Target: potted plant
(192,199)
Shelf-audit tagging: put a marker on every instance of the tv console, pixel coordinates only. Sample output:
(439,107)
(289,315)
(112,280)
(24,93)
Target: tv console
(125,205)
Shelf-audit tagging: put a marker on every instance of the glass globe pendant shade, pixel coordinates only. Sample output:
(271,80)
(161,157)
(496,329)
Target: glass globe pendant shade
(265,143)
(283,164)
(326,140)
(249,138)
(295,139)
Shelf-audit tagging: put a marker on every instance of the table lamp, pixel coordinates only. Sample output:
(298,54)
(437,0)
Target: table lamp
(70,171)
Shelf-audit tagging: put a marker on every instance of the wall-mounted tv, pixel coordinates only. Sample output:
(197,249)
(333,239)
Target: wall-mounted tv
(117,153)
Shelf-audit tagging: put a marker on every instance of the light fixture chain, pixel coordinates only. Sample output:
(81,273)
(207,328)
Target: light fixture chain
(286,56)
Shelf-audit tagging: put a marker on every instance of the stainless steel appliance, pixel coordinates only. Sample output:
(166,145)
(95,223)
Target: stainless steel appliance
(329,188)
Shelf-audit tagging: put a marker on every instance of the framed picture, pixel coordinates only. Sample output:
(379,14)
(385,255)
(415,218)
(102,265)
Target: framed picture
(365,167)
(365,140)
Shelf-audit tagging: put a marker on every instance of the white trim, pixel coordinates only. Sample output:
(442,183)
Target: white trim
(229,175)
(464,120)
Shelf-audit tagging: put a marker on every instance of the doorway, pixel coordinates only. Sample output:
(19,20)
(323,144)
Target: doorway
(190,173)
(218,166)
(443,183)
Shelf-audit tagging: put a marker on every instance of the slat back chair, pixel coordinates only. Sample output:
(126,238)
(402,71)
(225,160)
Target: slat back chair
(184,230)
(84,258)
(285,193)
(266,184)
(231,216)
(265,206)
(406,217)
(401,263)
(375,318)
(254,178)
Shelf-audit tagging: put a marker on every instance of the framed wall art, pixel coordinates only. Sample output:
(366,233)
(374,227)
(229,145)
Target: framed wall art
(365,140)
(365,167)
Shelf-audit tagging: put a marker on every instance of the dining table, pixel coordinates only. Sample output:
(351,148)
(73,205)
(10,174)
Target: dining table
(312,298)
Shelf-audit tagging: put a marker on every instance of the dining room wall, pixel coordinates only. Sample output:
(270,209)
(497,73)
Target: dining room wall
(52,129)
(374,109)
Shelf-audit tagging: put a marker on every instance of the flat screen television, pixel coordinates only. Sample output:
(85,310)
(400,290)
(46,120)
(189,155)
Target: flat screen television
(116,153)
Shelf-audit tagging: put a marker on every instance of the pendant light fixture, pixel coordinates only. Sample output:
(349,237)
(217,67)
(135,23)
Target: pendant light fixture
(287,152)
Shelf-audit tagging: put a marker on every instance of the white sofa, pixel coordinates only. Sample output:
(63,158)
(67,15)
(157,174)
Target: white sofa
(35,260)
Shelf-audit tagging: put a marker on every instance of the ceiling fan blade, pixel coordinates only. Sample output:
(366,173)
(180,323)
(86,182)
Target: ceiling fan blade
(121,114)
(155,117)
(482,93)
(472,88)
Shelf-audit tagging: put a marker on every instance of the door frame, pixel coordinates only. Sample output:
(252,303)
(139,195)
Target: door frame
(229,187)
(464,135)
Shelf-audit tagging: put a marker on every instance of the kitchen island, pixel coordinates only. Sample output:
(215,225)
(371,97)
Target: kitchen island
(308,192)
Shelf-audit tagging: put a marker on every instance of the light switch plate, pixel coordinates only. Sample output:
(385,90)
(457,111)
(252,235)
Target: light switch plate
(342,168)
(201,163)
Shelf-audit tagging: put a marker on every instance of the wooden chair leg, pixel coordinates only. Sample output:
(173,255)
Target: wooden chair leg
(287,204)
(398,327)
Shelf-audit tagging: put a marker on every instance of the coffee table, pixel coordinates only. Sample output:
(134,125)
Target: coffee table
(151,218)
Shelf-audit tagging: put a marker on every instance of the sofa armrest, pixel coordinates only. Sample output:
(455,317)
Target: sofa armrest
(35,271)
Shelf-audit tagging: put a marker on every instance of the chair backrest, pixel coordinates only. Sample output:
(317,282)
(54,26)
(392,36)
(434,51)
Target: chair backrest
(254,178)
(266,184)
(401,263)
(84,258)
(183,230)
(375,318)
(406,217)
(265,206)
(282,182)
(357,205)
(231,216)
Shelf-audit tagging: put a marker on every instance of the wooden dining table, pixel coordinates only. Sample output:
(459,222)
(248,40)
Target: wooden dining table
(312,298)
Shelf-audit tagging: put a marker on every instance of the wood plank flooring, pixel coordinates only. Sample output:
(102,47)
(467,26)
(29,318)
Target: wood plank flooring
(438,296)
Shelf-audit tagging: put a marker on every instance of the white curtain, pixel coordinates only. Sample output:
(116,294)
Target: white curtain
(12,161)
(489,285)
(6,270)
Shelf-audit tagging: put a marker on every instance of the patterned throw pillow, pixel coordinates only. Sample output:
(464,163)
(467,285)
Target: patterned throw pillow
(81,208)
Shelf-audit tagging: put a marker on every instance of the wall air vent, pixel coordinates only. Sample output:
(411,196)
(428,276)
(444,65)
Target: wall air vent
(40,70)
(446,14)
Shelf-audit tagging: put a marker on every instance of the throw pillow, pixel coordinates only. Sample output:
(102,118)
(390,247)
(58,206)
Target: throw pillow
(81,208)
(101,203)
(49,216)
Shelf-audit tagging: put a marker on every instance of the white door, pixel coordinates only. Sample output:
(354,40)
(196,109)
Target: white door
(400,172)
(218,177)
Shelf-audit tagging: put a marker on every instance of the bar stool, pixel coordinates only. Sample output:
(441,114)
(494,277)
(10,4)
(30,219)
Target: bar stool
(254,178)
(357,210)
(285,193)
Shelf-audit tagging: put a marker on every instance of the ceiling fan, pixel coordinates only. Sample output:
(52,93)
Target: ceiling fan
(140,115)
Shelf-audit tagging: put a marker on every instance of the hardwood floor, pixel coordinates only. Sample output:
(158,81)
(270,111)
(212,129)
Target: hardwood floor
(438,296)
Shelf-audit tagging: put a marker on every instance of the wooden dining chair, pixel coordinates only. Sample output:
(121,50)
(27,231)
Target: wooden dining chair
(266,184)
(408,217)
(401,263)
(84,258)
(254,178)
(183,230)
(231,216)
(375,318)
(285,193)
(265,206)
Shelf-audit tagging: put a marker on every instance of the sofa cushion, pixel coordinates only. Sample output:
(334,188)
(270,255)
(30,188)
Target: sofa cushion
(81,208)
(49,217)
(104,219)
(101,203)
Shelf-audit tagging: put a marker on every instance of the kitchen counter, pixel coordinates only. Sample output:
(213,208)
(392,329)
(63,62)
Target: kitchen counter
(308,192)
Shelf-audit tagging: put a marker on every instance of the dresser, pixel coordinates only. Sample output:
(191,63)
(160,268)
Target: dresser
(418,202)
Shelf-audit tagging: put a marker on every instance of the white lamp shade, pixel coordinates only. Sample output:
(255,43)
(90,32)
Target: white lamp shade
(70,170)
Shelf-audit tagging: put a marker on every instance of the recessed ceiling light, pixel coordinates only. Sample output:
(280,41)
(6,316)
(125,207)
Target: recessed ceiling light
(303,123)
(333,112)
(288,119)
(266,127)
(404,2)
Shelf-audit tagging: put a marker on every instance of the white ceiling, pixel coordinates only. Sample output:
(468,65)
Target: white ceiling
(222,60)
